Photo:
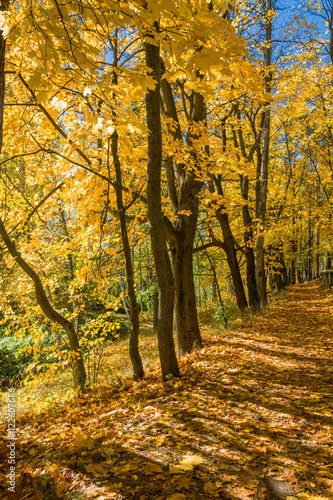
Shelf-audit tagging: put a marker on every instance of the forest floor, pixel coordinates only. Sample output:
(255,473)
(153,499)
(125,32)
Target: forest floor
(250,419)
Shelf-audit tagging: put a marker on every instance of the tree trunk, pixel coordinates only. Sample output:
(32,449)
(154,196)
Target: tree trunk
(56,331)
(317,232)
(140,280)
(155,310)
(254,301)
(138,372)
(215,283)
(233,262)
(198,283)
(317,253)
(247,219)
(230,250)
(187,326)
(228,239)
(132,312)
(261,215)
(183,187)
(181,241)
(309,257)
(293,251)
(124,300)
(164,273)
(278,268)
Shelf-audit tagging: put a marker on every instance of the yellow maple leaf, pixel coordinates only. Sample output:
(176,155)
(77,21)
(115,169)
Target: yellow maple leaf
(187,464)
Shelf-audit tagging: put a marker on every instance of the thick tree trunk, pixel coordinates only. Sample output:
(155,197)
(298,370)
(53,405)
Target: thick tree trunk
(186,315)
(251,272)
(187,326)
(278,268)
(164,273)
(181,241)
(183,187)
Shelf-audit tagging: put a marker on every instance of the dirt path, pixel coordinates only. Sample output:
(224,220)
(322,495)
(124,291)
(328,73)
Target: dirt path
(291,345)
(252,414)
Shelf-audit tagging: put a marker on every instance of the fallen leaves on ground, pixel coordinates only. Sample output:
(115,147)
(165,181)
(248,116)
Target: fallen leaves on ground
(250,419)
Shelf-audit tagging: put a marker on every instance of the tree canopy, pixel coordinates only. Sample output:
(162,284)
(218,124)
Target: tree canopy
(159,149)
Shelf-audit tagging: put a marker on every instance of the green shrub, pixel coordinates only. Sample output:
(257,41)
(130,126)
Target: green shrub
(13,363)
(225,313)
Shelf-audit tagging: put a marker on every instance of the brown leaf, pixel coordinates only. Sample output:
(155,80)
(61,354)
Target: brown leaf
(97,469)
(210,488)
(61,487)
(152,469)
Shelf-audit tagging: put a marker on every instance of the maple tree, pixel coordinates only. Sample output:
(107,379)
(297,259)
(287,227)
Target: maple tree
(82,131)
(185,306)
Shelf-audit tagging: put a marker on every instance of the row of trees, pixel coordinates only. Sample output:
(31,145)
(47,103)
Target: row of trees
(177,119)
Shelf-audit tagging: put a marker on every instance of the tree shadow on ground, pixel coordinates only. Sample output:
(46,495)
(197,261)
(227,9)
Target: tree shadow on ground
(252,415)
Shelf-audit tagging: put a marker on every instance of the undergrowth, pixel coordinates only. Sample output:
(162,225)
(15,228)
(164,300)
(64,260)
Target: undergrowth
(45,392)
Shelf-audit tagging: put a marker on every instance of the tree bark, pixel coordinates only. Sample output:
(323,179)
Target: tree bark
(168,360)
(133,313)
(138,372)
(230,250)
(254,301)
(186,317)
(278,269)
(187,326)
(183,190)
(310,249)
(155,310)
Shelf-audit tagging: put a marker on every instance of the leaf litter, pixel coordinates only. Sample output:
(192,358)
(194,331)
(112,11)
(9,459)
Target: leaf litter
(250,419)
